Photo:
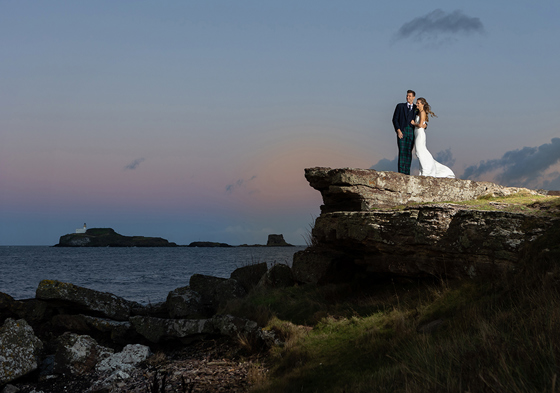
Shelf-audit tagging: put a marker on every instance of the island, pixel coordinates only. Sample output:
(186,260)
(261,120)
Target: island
(273,241)
(107,237)
(208,244)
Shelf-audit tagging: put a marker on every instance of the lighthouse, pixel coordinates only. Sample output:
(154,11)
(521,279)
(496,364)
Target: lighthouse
(82,230)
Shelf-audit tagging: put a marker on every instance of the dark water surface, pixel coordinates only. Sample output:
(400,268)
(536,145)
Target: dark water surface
(141,274)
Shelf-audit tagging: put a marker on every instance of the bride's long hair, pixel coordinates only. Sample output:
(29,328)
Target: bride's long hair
(427,108)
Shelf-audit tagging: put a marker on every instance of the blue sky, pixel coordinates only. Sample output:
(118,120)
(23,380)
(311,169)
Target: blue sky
(195,120)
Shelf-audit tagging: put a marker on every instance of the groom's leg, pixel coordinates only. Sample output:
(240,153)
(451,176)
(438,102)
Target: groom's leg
(405,150)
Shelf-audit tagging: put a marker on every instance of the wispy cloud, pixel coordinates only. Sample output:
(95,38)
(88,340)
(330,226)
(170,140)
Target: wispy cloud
(524,167)
(134,164)
(439,24)
(240,183)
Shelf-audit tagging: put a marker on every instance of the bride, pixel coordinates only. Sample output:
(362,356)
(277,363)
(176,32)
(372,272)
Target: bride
(428,166)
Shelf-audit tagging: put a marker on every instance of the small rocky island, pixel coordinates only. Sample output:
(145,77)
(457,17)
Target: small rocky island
(107,237)
(208,244)
(273,241)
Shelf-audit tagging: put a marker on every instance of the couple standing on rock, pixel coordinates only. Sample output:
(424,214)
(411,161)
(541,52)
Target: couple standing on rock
(406,116)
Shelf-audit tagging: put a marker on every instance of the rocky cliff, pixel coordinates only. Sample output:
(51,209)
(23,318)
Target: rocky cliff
(107,237)
(390,223)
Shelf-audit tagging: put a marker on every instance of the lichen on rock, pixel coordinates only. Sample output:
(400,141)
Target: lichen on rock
(19,349)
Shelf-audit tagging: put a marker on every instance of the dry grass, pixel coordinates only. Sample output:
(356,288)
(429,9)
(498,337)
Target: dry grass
(157,360)
(256,375)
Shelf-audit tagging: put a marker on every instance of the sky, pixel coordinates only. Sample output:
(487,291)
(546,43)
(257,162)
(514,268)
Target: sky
(194,121)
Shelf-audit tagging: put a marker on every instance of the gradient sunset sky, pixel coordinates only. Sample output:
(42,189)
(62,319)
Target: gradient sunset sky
(194,120)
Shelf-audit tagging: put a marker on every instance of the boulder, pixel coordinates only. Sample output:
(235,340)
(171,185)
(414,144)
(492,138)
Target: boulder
(19,349)
(5,301)
(34,311)
(6,305)
(158,329)
(228,325)
(184,303)
(215,291)
(153,310)
(126,360)
(10,389)
(319,266)
(249,276)
(120,332)
(88,300)
(231,326)
(75,323)
(228,289)
(78,354)
(278,276)
(105,329)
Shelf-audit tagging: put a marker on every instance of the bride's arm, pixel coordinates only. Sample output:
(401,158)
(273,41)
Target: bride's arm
(422,121)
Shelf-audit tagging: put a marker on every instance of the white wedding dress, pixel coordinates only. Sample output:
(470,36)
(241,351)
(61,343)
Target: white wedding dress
(428,166)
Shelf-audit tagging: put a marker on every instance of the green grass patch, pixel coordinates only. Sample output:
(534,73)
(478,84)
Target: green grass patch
(494,334)
(516,203)
(498,335)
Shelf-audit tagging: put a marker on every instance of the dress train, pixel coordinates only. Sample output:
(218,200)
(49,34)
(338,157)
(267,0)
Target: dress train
(428,166)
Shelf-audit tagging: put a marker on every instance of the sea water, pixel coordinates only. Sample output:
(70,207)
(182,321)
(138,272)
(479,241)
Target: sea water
(145,275)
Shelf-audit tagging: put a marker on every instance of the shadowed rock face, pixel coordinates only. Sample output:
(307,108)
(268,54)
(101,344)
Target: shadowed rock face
(360,230)
(106,304)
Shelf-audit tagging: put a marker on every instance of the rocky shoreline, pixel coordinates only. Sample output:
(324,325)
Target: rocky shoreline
(70,338)
(216,365)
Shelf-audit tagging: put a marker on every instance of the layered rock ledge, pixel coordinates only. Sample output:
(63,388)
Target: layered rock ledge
(376,222)
(350,189)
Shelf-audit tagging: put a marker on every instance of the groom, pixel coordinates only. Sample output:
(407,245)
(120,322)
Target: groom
(404,114)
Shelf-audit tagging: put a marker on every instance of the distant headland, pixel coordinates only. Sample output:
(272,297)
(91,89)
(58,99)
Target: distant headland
(107,237)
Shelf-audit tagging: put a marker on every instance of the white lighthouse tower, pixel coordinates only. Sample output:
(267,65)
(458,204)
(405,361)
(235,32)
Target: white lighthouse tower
(82,230)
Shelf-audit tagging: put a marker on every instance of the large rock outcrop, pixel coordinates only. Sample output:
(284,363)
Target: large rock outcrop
(362,227)
(350,189)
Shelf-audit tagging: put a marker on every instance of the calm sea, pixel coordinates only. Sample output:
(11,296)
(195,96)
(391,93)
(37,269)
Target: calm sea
(145,275)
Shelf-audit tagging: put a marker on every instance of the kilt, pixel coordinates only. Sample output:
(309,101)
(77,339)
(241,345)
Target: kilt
(405,150)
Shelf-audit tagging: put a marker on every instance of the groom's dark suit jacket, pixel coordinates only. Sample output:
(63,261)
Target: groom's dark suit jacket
(402,116)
